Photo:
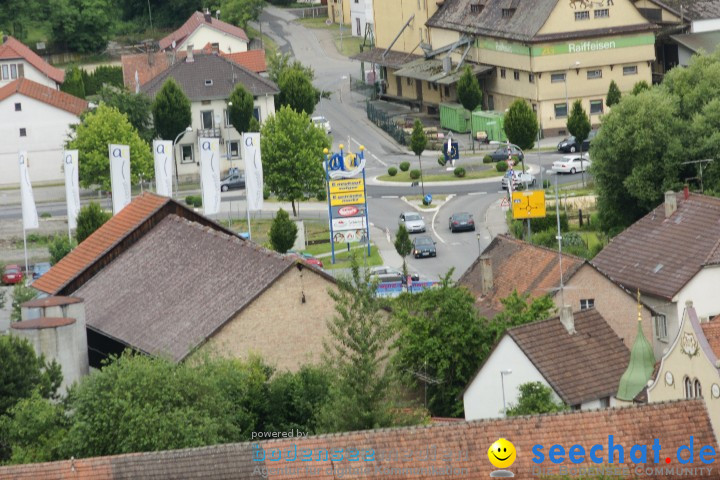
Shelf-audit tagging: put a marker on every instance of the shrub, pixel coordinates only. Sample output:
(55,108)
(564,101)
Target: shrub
(60,246)
(266,193)
(283,232)
(546,183)
(459,172)
(441,160)
(189,200)
(595,249)
(90,218)
(414,174)
(321,195)
(487,159)
(572,239)
(197,201)
(392,171)
(405,166)
(501,166)
(546,238)
(45,215)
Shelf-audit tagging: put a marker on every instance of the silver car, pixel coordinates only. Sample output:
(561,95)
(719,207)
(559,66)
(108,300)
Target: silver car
(413,222)
(322,122)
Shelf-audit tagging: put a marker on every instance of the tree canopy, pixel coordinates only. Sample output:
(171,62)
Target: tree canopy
(613,95)
(535,398)
(171,111)
(521,125)
(468,90)
(297,91)
(241,110)
(90,218)
(135,106)
(81,25)
(240,12)
(283,232)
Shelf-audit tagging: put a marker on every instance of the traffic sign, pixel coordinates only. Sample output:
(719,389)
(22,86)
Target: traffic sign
(505,204)
(528,204)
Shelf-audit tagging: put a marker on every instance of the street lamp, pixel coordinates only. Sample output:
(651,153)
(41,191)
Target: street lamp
(567,106)
(177,178)
(477,235)
(559,234)
(502,381)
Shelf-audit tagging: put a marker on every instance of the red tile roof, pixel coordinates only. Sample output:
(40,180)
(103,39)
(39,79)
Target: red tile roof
(42,322)
(712,334)
(416,453)
(12,49)
(196,20)
(253,60)
(50,96)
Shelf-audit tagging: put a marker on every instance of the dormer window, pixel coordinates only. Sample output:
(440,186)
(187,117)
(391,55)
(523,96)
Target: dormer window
(508,12)
(208,82)
(476,8)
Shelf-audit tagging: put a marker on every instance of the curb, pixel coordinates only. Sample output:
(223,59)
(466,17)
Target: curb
(531,168)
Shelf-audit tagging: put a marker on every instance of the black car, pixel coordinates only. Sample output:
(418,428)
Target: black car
(586,142)
(424,246)
(461,221)
(503,153)
(570,144)
(232,181)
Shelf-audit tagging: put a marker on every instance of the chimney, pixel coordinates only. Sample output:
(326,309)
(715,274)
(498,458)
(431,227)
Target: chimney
(190,57)
(670,203)
(208,16)
(486,275)
(566,318)
(215,47)
(686,192)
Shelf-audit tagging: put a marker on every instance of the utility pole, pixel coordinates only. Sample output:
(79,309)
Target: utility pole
(700,164)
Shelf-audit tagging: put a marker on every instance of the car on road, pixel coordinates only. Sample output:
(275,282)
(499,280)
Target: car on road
(424,246)
(322,122)
(568,145)
(461,221)
(386,274)
(39,269)
(571,164)
(232,181)
(519,180)
(503,153)
(413,222)
(12,275)
(587,141)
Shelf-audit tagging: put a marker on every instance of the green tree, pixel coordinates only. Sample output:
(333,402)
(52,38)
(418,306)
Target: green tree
(293,156)
(81,25)
(59,247)
(281,63)
(613,95)
(90,218)
(99,128)
(20,294)
(297,91)
(535,398)
(254,125)
(468,90)
(640,86)
(136,106)
(578,124)
(694,86)
(441,337)
(283,232)
(73,83)
(521,125)
(418,142)
(240,12)
(517,310)
(241,110)
(705,144)
(294,399)
(171,110)
(403,246)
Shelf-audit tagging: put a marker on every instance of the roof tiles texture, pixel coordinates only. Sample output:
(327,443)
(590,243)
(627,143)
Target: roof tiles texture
(12,49)
(712,334)
(517,265)
(461,445)
(660,255)
(196,20)
(393,59)
(696,9)
(47,95)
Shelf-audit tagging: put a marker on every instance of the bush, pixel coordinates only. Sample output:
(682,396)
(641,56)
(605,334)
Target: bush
(392,171)
(283,232)
(545,238)
(572,239)
(59,247)
(194,200)
(405,166)
(266,193)
(189,200)
(459,172)
(46,215)
(501,166)
(90,218)
(414,174)
(441,160)
(595,249)
(321,195)
(546,183)
(487,159)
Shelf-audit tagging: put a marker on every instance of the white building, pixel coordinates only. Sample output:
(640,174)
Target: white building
(201,29)
(577,355)
(37,119)
(18,61)
(361,14)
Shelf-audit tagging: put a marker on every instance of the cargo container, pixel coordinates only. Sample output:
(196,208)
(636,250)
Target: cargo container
(490,122)
(453,116)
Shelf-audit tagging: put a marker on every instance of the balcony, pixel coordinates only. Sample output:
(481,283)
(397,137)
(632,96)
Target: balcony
(209,132)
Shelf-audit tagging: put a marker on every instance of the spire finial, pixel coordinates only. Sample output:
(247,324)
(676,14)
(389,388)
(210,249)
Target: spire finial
(639,306)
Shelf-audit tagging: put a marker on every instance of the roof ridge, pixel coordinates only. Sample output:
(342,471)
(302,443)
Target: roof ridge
(267,81)
(540,247)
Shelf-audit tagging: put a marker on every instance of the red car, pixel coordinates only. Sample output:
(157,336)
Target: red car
(12,275)
(306,257)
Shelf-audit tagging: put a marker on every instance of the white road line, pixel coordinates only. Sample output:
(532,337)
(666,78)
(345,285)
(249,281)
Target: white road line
(390,196)
(449,197)
(387,234)
(368,151)
(477,193)
(376,158)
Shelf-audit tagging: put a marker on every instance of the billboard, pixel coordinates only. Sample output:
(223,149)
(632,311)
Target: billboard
(163,153)
(347,185)
(350,223)
(350,236)
(119,176)
(348,211)
(351,198)
(528,204)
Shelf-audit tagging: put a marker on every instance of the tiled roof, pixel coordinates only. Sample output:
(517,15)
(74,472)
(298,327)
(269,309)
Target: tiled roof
(12,49)
(521,266)
(253,60)
(417,453)
(712,334)
(177,285)
(695,9)
(658,255)
(42,322)
(50,96)
(570,362)
(193,79)
(196,20)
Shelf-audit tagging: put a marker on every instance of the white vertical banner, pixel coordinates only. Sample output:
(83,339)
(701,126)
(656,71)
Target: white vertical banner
(163,151)
(253,171)
(72,187)
(29,212)
(210,174)
(120,176)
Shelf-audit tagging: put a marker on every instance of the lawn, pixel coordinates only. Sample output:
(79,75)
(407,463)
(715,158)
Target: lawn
(269,44)
(314,229)
(348,46)
(442,177)
(342,258)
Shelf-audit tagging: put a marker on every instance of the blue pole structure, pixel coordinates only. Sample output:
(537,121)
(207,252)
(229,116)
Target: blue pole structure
(330,217)
(367,216)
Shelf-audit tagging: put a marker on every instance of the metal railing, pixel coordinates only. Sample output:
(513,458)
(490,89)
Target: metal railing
(370,90)
(311,12)
(209,132)
(385,122)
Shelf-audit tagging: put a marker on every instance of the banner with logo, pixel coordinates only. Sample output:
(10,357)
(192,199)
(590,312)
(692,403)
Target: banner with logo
(253,170)
(350,223)
(29,212)
(72,187)
(163,152)
(210,174)
(120,176)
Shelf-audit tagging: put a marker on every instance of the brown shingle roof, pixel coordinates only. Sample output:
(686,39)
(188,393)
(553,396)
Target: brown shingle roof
(570,362)
(712,334)
(520,266)
(50,96)
(393,59)
(177,285)
(407,450)
(694,9)
(658,255)
(196,20)
(12,49)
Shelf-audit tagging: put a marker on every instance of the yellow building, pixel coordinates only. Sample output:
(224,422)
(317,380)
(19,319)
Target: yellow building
(339,11)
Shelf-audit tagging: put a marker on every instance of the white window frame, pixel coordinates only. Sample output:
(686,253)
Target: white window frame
(697,388)
(192,153)
(582,15)
(586,303)
(630,70)
(688,385)
(13,71)
(602,107)
(602,13)
(594,74)
(6,72)
(229,144)
(23,132)
(202,119)
(557,78)
(516,75)
(18,107)
(555,110)
(660,322)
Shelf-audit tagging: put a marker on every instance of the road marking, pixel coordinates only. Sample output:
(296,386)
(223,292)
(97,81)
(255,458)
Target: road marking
(368,151)
(449,197)
(390,196)
(387,234)
(477,193)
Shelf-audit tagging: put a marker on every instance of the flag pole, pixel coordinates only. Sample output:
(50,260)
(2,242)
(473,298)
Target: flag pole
(25,248)
(247,209)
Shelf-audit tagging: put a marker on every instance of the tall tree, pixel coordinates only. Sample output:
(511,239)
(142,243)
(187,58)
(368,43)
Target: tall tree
(468,90)
(297,91)
(578,124)
(613,95)
(60,246)
(403,246)
(535,398)
(418,142)
(21,293)
(73,83)
(240,12)
(171,110)
(241,110)
(81,25)
(99,128)
(293,156)
(90,218)
(282,62)
(283,232)
(640,86)
(136,106)
(521,125)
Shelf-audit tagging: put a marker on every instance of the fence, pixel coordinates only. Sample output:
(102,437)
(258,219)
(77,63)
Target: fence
(370,90)
(385,122)
(312,12)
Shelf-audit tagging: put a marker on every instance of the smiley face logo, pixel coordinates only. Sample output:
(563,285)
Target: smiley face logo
(502,453)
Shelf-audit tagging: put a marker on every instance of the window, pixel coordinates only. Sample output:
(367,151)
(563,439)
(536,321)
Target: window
(508,12)
(531,77)
(502,73)
(660,327)
(256,113)
(409,81)
(187,154)
(447,91)
(561,110)
(557,77)
(206,119)
(582,15)
(688,388)
(5,72)
(205,102)
(18,107)
(357,24)
(534,105)
(208,82)
(227,118)
(698,389)
(516,75)
(23,132)
(602,13)
(631,70)
(476,8)
(491,102)
(13,71)
(592,74)
(586,303)
(233,149)
(21,70)
(596,107)
(652,14)
(605,402)
(434,86)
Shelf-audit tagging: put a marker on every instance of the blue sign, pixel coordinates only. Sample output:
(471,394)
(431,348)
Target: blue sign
(427,200)
(452,153)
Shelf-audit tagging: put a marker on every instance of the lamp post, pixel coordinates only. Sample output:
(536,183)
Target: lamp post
(502,382)
(477,235)
(559,235)
(567,106)
(177,177)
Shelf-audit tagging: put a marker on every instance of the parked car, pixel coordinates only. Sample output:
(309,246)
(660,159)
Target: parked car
(12,275)
(306,257)
(504,152)
(568,144)
(519,180)
(323,123)
(587,141)
(461,221)
(413,222)
(387,274)
(39,269)
(571,164)
(424,246)
(232,181)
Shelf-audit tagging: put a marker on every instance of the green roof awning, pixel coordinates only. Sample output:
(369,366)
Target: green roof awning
(431,70)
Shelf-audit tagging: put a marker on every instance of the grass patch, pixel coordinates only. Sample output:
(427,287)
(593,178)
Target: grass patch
(404,177)
(418,198)
(342,259)
(348,46)
(314,229)
(319,23)
(269,44)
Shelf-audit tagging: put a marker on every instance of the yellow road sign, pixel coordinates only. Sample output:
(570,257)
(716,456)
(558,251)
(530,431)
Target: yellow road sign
(347,185)
(528,204)
(351,198)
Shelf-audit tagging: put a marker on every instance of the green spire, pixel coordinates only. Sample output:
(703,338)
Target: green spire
(641,366)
